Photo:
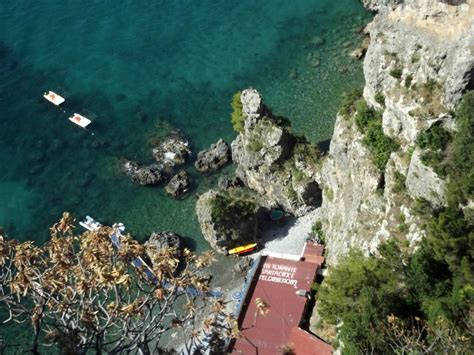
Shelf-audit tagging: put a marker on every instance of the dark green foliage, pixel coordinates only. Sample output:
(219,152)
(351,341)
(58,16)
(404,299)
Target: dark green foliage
(226,207)
(415,57)
(380,99)
(461,169)
(369,121)
(361,292)
(396,72)
(365,114)
(399,182)
(422,207)
(348,102)
(430,85)
(436,161)
(408,80)
(237,118)
(435,140)
(379,144)
(317,232)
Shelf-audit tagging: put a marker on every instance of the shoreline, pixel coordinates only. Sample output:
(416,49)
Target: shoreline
(277,238)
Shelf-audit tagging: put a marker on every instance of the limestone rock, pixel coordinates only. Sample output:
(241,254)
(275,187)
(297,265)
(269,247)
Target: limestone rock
(213,158)
(226,221)
(429,42)
(143,175)
(358,53)
(251,104)
(423,182)
(226,182)
(268,162)
(172,150)
(179,184)
(162,240)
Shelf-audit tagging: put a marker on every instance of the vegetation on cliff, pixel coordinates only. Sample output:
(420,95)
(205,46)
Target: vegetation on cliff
(226,207)
(415,301)
(369,122)
(236,116)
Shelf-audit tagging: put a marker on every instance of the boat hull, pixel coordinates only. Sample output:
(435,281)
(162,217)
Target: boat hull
(80,120)
(54,98)
(242,249)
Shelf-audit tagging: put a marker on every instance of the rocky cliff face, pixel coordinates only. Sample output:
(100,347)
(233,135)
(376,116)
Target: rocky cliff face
(419,62)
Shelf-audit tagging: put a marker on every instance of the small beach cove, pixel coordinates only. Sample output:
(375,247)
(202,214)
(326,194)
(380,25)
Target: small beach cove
(128,78)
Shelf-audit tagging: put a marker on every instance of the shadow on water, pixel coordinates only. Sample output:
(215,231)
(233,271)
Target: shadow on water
(324,146)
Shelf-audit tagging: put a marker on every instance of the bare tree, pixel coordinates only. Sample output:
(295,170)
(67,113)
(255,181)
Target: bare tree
(81,293)
(415,336)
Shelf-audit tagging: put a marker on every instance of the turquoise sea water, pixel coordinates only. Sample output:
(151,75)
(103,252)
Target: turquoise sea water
(128,64)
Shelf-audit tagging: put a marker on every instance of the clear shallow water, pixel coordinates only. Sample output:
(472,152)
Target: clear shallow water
(128,64)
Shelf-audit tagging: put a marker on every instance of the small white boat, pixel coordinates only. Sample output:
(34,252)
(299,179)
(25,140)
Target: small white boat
(80,120)
(90,224)
(54,98)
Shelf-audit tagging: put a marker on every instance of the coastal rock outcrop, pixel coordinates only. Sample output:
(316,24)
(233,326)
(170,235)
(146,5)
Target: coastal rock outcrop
(226,182)
(143,175)
(227,219)
(213,158)
(179,184)
(162,240)
(274,163)
(172,150)
(419,62)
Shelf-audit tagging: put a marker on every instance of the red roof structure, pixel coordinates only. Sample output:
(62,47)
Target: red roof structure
(274,306)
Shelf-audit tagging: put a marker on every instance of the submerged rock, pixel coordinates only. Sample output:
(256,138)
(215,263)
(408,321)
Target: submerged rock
(143,175)
(317,41)
(179,184)
(358,53)
(213,158)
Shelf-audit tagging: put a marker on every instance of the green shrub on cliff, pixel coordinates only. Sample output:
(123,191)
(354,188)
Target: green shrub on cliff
(435,140)
(396,72)
(348,102)
(237,118)
(225,207)
(365,114)
(369,122)
(436,137)
(380,98)
(379,145)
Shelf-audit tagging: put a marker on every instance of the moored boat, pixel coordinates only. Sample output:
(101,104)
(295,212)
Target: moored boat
(90,224)
(242,249)
(54,98)
(80,120)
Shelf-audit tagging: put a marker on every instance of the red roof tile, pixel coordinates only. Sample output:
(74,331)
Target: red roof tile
(276,283)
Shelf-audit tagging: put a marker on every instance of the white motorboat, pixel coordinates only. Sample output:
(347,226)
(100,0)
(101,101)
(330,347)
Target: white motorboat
(80,120)
(54,98)
(90,224)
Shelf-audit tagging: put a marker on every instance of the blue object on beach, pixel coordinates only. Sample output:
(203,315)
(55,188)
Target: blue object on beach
(237,295)
(276,214)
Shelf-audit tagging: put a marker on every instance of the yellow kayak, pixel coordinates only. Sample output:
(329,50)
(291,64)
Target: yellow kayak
(242,249)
